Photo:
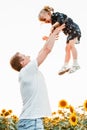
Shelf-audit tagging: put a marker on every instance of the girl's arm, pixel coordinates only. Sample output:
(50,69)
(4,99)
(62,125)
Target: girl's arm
(54,26)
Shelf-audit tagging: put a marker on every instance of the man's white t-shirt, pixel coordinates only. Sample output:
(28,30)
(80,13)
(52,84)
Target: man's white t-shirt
(33,92)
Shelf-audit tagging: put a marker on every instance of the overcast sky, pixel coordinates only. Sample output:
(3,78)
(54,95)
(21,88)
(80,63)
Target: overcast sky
(21,31)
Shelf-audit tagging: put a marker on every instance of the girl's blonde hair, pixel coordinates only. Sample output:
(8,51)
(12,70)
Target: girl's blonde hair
(46,9)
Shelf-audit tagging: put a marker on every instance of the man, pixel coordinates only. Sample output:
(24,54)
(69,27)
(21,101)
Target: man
(33,87)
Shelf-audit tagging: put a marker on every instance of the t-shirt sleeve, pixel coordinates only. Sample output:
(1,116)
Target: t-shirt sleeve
(61,18)
(58,17)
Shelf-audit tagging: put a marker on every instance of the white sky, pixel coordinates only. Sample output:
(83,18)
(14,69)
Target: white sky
(21,31)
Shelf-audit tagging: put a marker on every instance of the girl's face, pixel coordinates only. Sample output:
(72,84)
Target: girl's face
(46,17)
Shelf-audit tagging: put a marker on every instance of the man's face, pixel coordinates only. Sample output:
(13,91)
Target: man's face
(24,59)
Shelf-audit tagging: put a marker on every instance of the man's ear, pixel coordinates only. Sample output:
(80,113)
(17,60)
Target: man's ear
(22,62)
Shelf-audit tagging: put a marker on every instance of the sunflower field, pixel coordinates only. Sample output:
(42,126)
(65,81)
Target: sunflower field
(67,117)
(8,120)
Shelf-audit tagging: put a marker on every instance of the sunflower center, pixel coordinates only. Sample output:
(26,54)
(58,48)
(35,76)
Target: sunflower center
(63,103)
(86,105)
(73,119)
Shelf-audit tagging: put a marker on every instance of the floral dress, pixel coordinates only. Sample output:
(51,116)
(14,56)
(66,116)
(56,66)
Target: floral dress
(71,29)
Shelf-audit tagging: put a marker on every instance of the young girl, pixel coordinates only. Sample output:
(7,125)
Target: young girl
(72,30)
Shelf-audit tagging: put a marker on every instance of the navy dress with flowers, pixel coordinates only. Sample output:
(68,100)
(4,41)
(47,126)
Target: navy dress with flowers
(71,29)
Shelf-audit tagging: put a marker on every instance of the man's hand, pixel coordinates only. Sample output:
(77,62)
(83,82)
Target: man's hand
(58,29)
(45,38)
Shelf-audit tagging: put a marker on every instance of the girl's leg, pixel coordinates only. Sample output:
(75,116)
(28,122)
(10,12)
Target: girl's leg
(67,55)
(75,65)
(65,67)
(73,49)
(70,48)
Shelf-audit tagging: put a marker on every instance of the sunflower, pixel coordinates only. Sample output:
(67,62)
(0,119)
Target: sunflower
(10,111)
(54,113)
(85,105)
(73,119)
(15,118)
(63,103)
(71,108)
(6,113)
(3,110)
